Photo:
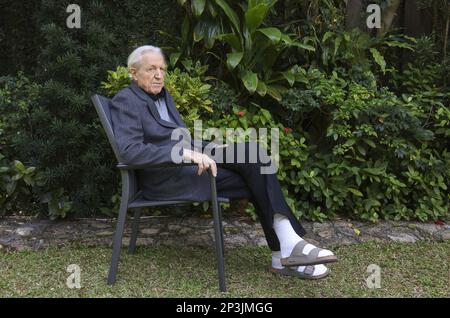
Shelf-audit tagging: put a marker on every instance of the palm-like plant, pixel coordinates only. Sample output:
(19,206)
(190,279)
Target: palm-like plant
(235,33)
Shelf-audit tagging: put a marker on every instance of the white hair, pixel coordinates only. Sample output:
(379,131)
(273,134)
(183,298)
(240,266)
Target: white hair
(135,57)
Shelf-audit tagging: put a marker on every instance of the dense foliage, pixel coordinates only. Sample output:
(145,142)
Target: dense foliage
(363,115)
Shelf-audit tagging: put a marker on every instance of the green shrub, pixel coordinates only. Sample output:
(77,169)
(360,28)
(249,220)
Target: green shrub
(190,94)
(374,158)
(245,47)
(18,95)
(17,185)
(223,99)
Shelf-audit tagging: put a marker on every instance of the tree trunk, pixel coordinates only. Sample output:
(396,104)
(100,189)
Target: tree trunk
(388,15)
(353,14)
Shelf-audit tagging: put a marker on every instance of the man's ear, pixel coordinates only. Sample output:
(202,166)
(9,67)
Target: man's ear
(133,71)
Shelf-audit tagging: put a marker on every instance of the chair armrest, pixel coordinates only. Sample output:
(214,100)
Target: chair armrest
(123,166)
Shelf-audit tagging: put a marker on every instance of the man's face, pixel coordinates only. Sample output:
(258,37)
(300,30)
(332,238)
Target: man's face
(149,74)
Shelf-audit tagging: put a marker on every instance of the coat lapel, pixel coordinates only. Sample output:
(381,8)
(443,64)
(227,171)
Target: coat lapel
(173,110)
(152,107)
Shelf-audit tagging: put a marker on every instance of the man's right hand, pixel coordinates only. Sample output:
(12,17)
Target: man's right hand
(204,162)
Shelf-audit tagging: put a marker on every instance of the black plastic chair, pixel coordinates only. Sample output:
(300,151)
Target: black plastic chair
(132,199)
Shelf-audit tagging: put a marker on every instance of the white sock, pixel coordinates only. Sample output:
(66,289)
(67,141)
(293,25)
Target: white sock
(289,238)
(276,263)
(276,260)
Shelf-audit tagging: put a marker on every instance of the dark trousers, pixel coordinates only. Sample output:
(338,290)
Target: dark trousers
(244,180)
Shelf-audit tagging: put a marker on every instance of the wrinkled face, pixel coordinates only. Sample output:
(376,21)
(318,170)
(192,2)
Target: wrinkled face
(149,74)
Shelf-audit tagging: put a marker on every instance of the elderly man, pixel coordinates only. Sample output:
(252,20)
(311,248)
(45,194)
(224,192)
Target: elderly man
(144,116)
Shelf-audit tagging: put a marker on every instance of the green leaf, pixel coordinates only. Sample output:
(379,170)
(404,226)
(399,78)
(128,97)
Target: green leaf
(19,165)
(174,57)
(273,34)
(198,6)
(207,29)
(274,92)
(233,59)
(370,142)
(243,121)
(261,89)
(29,170)
(326,36)
(232,40)
(355,192)
(212,9)
(28,180)
(337,43)
(289,76)
(185,30)
(250,81)
(350,142)
(379,59)
(198,32)
(230,13)
(10,187)
(266,114)
(248,39)
(402,45)
(358,179)
(303,46)
(361,150)
(346,36)
(255,16)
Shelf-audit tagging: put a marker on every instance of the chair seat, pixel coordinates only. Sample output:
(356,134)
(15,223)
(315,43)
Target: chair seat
(141,202)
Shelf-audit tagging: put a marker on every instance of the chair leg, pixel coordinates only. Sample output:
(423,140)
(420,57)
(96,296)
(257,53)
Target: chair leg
(117,243)
(135,230)
(218,235)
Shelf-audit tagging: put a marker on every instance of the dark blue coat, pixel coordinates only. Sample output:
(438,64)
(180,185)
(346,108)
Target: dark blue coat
(142,137)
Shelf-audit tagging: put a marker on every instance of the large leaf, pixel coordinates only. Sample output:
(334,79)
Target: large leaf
(173,59)
(250,81)
(400,45)
(273,34)
(337,43)
(198,6)
(248,41)
(327,35)
(303,46)
(275,92)
(255,16)
(233,59)
(185,30)
(207,30)
(261,89)
(232,40)
(355,192)
(212,8)
(289,76)
(230,13)
(286,39)
(379,59)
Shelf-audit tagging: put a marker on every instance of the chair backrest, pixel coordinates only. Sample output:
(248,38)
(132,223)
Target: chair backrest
(103,108)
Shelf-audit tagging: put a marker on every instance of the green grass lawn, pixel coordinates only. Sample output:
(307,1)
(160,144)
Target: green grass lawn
(407,270)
